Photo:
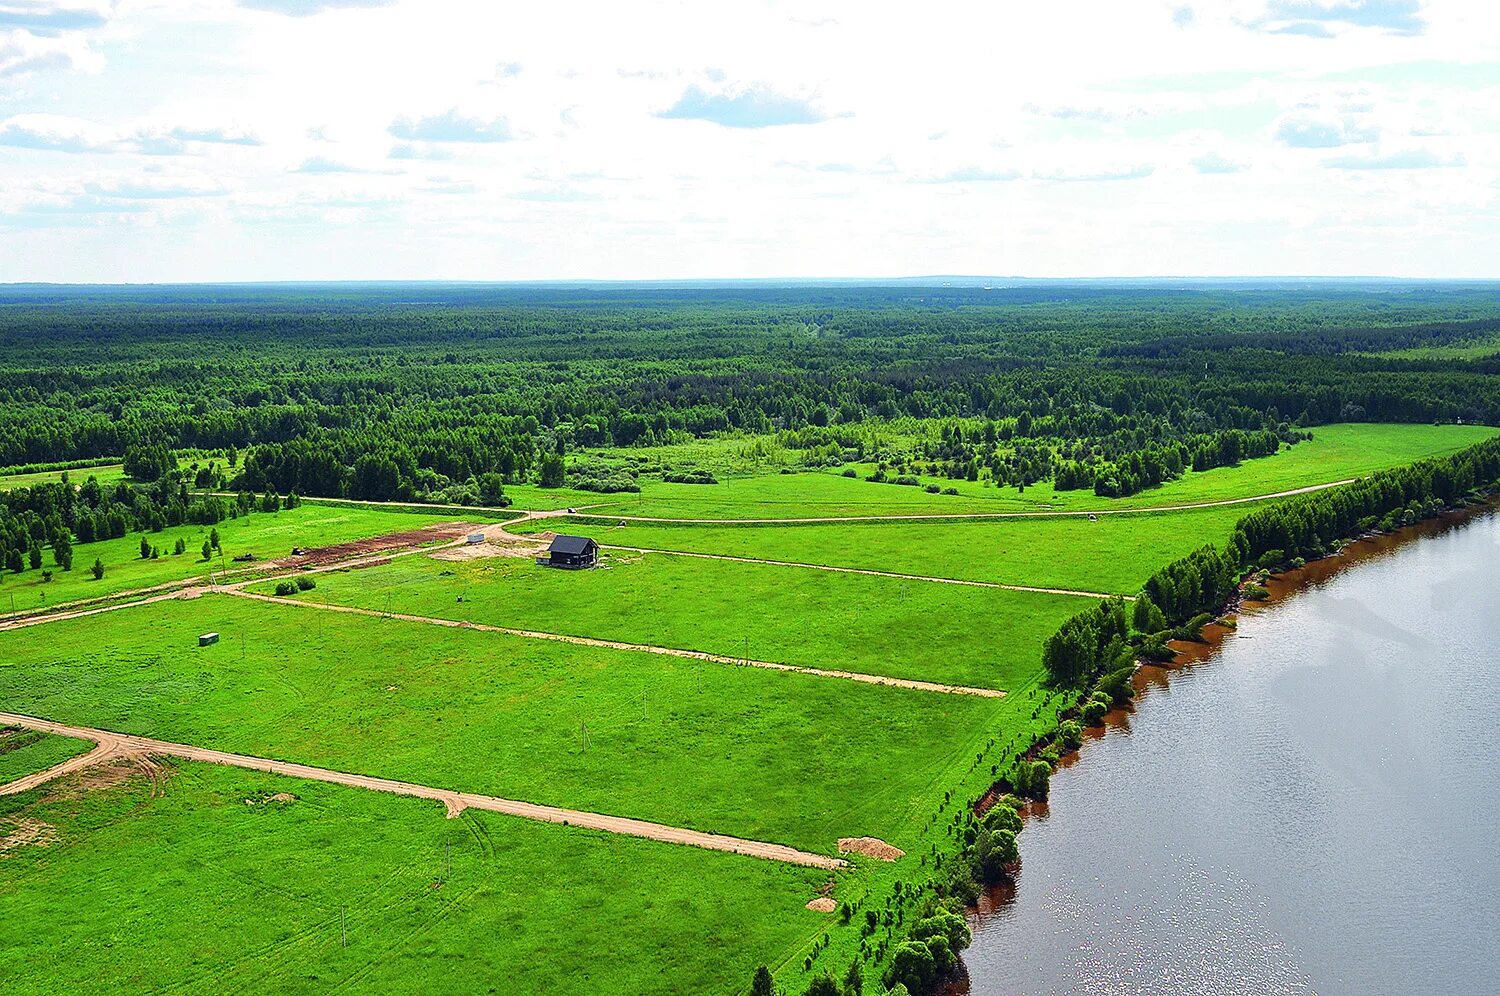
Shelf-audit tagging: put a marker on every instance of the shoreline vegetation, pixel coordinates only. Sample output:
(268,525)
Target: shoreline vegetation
(1095,654)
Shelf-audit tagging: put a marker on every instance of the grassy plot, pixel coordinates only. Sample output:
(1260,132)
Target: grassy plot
(264,534)
(1336,452)
(907,629)
(1115,554)
(768,755)
(24,752)
(107,473)
(222,883)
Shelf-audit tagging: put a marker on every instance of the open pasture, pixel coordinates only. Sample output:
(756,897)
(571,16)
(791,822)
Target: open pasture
(266,535)
(234,880)
(1335,453)
(23,752)
(907,629)
(1115,554)
(774,756)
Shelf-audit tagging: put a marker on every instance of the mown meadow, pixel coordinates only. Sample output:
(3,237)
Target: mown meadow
(767,755)
(24,752)
(265,535)
(963,635)
(232,880)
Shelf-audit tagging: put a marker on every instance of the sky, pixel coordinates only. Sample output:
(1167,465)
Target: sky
(209,140)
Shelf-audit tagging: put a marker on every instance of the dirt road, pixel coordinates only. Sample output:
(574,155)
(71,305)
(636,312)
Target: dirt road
(105,750)
(588,641)
(120,744)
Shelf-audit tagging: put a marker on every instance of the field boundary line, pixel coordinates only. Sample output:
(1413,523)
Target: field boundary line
(111,743)
(526,515)
(939,516)
(589,641)
(869,572)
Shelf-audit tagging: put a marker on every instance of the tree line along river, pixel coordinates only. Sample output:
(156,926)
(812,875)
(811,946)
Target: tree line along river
(1308,804)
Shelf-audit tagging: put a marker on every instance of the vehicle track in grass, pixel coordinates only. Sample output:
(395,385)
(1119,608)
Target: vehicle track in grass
(111,744)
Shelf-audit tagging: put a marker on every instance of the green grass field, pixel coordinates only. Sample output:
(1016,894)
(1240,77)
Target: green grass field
(1116,554)
(906,629)
(24,752)
(196,889)
(1336,452)
(767,755)
(107,473)
(267,535)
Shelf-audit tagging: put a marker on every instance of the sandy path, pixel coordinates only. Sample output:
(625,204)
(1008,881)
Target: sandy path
(456,802)
(103,751)
(181,591)
(587,641)
(870,573)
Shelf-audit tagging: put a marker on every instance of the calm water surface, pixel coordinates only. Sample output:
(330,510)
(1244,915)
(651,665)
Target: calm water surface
(1312,807)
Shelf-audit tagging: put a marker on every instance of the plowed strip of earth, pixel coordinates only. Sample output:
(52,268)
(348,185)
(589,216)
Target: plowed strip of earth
(587,641)
(111,743)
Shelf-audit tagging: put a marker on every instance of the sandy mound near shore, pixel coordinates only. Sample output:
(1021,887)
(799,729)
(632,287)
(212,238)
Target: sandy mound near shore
(872,847)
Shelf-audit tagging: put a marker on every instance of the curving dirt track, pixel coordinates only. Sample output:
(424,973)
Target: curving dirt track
(117,744)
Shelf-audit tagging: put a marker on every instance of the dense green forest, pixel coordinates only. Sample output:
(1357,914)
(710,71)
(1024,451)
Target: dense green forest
(447,392)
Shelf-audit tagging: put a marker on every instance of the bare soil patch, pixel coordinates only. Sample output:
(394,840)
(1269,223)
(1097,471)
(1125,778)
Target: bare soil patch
(822,905)
(497,543)
(276,799)
(871,847)
(97,778)
(26,832)
(323,555)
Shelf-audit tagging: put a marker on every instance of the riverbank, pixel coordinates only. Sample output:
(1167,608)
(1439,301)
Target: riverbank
(1009,931)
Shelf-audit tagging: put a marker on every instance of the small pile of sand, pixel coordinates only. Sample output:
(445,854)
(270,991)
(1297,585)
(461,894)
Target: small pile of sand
(870,847)
(822,905)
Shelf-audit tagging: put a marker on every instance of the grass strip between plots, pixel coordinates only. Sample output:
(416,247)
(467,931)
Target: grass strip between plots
(250,881)
(764,755)
(24,752)
(985,638)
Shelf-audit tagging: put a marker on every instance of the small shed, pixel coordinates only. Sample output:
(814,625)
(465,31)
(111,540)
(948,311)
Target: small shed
(208,639)
(572,552)
(475,539)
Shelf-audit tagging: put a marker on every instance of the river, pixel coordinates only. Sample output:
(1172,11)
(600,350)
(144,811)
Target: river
(1313,805)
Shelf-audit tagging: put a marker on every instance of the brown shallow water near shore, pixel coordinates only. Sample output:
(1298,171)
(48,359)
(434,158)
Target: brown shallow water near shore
(1301,804)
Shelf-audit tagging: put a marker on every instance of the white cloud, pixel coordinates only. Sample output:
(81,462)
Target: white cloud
(451,126)
(1213,162)
(755,106)
(790,136)
(1406,159)
(307,8)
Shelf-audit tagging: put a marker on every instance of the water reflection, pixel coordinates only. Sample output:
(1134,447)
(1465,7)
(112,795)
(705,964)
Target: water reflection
(1303,804)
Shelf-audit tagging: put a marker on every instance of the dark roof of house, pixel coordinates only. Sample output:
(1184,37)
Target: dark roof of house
(571,545)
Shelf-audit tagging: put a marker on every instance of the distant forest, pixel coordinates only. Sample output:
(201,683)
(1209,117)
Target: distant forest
(422,391)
